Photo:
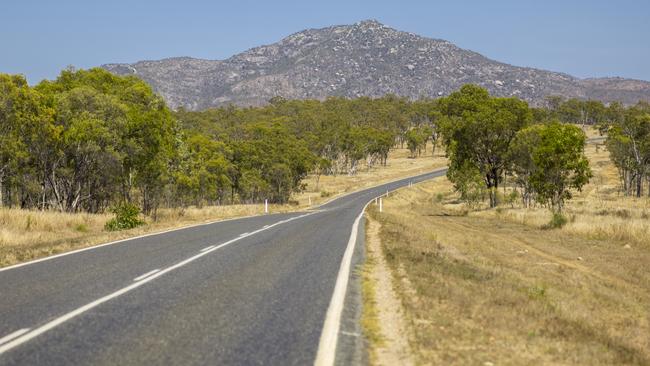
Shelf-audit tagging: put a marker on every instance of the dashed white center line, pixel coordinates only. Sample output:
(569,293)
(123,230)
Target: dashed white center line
(206,248)
(243,234)
(13,335)
(145,275)
(24,335)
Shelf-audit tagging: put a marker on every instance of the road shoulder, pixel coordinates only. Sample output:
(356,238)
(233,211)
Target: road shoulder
(383,320)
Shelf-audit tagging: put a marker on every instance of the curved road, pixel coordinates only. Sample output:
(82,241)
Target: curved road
(246,291)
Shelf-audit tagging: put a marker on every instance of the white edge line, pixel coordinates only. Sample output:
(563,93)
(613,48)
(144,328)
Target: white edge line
(326,354)
(62,319)
(13,335)
(436,170)
(121,241)
(141,277)
(329,335)
(17,265)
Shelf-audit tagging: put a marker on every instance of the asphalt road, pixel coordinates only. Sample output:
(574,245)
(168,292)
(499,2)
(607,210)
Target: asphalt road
(240,292)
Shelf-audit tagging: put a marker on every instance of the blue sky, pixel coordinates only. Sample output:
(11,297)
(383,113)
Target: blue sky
(583,38)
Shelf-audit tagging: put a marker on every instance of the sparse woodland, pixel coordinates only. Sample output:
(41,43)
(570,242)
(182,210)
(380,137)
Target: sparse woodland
(90,140)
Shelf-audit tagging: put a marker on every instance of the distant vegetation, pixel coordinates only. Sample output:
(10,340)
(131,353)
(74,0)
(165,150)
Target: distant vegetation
(627,130)
(488,138)
(92,141)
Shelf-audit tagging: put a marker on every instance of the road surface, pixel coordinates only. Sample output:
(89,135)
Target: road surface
(243,292)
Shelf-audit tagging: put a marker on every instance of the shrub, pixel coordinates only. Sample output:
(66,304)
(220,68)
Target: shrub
(511,198)
(470,185)
(82,228)
(557,221)
(126,217)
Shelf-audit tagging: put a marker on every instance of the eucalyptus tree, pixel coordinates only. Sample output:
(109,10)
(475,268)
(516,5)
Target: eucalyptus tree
(477,132)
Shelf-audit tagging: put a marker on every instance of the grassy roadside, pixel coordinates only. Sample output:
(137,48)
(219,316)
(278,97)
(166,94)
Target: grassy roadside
(27,235)
(489,288)
(600,211)
(383,321)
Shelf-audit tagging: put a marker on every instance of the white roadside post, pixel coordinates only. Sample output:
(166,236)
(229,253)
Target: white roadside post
(266,206)
(309,201)
(381,205)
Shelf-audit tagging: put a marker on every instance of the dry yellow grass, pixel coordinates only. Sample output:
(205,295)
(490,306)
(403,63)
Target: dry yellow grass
(26,235)
(494,287)
(383,321)
(600,211)
(398,165)
(478,289)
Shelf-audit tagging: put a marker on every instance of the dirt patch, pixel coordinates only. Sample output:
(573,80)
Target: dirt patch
(394,348)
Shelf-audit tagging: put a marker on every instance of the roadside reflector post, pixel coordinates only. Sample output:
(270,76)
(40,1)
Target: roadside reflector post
(376,200)
(309,200)
(266,206)
(381,205)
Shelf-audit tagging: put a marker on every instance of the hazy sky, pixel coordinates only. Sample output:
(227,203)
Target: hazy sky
(582,38)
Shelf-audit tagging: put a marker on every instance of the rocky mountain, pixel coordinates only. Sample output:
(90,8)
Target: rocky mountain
(363,59)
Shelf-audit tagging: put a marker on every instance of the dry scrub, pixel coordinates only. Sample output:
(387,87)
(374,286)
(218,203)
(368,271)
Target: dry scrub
(600,211)
(26,235)
(481,290)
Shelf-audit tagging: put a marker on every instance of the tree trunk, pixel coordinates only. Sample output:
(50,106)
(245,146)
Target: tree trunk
(2,191)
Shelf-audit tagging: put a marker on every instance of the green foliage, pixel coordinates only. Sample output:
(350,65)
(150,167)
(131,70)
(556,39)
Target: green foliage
(511,198)
(83,141)
(576,111)
(628,141)
(558,220)
(126,217)
(416,139)
(477,131)
(469,183)
(549,162)
(82,228)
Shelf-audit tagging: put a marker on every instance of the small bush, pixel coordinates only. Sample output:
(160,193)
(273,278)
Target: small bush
(537,292)
(325,194)
(557,221)
(439,197)
(511,198)
(82,228)
(469,183)
(623,213)
(29,223)
(126,217)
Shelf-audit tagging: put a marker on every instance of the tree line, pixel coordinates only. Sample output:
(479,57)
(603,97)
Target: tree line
(90,140)
(490,138)
(577,111)
(628,142)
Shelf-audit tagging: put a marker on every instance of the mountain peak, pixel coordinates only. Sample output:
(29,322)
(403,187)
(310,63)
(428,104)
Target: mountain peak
(363,59)
(370,23)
